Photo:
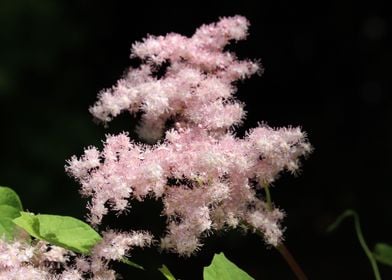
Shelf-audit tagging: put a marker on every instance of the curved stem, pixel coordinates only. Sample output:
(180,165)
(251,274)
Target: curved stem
(361,239)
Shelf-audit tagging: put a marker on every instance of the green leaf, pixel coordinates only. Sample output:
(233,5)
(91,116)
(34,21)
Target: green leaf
(63,231)
(222,268)
(10,206)
(29,222)
(9,197)
(383,253)
(7,228)
(68,232)
(9,212)
(166,272)
(131,263)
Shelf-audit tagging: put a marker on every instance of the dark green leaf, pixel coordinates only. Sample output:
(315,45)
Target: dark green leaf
(7,228)
(383,253)
(9,197)
(222,268)
(10,206)
(9,212)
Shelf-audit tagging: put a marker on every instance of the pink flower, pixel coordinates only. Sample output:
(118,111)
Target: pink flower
(205,176)
(115,245)
(41,261)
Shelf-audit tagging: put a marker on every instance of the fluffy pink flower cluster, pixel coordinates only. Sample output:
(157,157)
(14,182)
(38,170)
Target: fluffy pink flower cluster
(41,261)
(196,88)
(207,178)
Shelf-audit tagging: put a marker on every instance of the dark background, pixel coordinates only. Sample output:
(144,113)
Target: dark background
(327,69)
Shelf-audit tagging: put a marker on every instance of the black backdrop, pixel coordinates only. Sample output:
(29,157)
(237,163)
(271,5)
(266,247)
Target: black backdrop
(327,70)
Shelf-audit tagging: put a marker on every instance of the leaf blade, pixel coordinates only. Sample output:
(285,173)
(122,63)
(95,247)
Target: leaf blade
(9,197)
(7,228)
(383,253)
(166,272)
(63,231)
(223,268)
(68,232)
(29,223)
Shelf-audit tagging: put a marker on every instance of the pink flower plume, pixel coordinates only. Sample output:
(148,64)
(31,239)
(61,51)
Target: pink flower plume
(207,178)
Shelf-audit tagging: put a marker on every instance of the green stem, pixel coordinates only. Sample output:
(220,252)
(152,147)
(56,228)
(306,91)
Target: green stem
(268,197)
(281,248)
(361,239)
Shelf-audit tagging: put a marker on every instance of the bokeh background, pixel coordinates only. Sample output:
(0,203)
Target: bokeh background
(327,69)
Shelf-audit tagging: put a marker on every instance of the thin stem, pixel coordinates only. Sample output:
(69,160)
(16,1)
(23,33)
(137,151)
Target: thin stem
(268,197)
(291,261)
(282,249)
(361,239)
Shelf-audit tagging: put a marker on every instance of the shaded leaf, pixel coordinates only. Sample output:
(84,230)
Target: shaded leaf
(8,211)
(29,223)
(383,253)
(10,206)
(7,228)
(166,272)
(222,268)
(9,197)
